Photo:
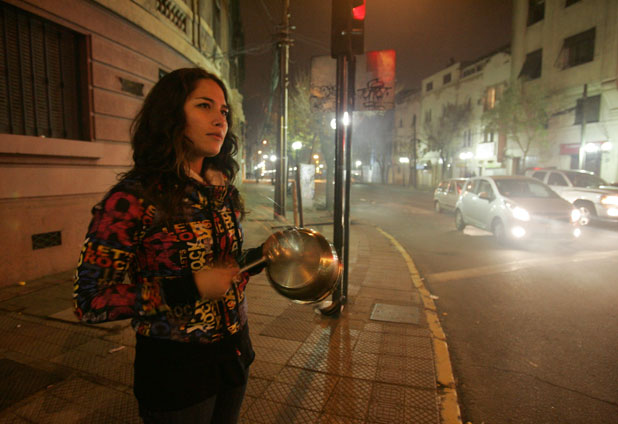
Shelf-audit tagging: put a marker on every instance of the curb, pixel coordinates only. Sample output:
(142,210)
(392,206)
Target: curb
(449,407)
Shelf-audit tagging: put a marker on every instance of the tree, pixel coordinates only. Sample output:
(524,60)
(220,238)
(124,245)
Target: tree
(441,134)
(522,115)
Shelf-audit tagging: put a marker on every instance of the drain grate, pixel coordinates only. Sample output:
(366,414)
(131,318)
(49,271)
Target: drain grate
(20,381)
(395,313)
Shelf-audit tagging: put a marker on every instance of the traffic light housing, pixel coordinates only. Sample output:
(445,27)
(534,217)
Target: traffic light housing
(348,27)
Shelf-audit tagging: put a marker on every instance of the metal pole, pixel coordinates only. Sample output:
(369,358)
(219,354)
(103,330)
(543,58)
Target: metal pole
(299,194)
(582,134)
(338,219)
(348,176)
(282,156)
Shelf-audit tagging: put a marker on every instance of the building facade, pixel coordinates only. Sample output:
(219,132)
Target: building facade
(471,150)
(569,49)
(74,74)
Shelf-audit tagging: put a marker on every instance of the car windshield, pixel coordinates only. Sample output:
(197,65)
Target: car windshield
(580,179)
(524,188)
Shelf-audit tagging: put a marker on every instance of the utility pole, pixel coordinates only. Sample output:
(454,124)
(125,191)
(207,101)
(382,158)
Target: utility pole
(281,175)
(414,158)
(582,134)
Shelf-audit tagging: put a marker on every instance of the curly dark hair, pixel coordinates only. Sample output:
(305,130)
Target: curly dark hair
(160,149)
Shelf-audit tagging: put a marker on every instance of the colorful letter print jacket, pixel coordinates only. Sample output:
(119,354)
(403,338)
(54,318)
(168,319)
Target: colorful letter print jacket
(125,237)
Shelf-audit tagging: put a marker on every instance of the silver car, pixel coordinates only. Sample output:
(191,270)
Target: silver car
(516,208)
(447,193)
(596,199)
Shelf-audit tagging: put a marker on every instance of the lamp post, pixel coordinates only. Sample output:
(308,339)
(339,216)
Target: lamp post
(296,146)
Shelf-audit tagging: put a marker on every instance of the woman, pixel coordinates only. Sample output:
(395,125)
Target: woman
(172,224)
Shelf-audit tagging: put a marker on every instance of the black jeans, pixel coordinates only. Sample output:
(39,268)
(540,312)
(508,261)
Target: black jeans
(222,408)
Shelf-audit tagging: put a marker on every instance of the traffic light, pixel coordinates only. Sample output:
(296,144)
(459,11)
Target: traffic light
(348,27)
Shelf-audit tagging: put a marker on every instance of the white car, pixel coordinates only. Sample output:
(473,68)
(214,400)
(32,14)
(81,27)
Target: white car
(446,194)
(595,198)
(516,208)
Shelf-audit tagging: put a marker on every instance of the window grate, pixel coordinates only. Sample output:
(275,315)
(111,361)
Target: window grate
(40,85)
(172,12)
(43,240)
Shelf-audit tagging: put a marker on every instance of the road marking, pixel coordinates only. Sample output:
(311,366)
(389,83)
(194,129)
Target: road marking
(449,407)
(463,274)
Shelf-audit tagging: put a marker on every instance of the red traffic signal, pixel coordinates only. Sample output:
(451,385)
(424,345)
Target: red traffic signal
(348,27)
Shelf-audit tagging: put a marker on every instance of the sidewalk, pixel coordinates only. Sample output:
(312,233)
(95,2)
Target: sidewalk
(383,360)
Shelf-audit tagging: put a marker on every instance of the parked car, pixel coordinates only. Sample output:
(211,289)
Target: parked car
(446,194)
(595,198)
(516,208)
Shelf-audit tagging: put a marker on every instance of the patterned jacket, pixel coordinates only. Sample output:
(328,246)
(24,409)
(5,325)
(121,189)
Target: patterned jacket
(126,237)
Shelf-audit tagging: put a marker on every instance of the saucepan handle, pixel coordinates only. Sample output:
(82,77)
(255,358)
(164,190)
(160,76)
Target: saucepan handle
(252,264)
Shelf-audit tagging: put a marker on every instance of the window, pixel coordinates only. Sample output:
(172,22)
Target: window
(532,66)
(43,91)
(577,49)
(490,98)
(446,78)
(592,109)
(428,116)
(429,86)
(536,11)
(468,71)
(539,175)
(485,187)
(570,2)
(467,138)
(216,20)
(556,179)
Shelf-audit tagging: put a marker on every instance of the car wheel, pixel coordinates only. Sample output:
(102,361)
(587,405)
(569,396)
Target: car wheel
(499,232)
(460,224)
(587,211)
(437,207)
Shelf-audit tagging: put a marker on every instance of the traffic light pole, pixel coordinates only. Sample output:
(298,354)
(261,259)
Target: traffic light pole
(340,229)
(347,28)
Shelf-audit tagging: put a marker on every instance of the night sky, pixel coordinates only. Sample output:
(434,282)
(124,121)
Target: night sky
(426,34)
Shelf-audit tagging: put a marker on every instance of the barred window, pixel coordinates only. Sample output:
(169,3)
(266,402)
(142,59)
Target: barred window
(42,91)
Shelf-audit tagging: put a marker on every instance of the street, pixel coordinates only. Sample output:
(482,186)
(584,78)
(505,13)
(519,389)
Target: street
(533,332)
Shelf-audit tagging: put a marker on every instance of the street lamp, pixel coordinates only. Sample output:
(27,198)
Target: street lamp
(296,146)
(345,121)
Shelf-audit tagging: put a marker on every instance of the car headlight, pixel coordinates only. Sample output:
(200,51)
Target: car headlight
(609,200)
(575,215)
(518,212)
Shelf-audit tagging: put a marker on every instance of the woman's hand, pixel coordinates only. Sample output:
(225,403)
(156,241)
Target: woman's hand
(213,283)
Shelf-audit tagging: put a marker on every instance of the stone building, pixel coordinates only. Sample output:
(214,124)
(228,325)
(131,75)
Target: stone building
(472,150)
(74,73)
(569,49)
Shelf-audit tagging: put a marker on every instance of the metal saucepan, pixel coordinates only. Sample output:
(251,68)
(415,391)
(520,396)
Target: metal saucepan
(301,265)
